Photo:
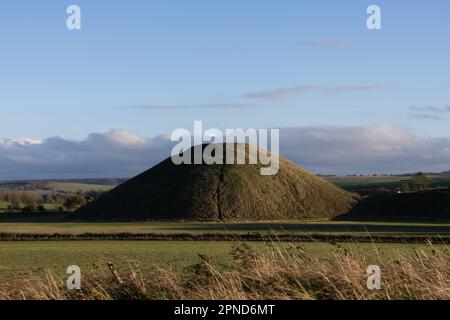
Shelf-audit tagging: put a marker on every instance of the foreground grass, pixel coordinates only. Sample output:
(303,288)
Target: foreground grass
(273,271)
(20,259)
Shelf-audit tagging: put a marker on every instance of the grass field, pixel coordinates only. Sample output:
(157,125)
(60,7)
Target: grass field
(63,185)
(391,182)
(177,269)
(299,227)
(25,258)
(32,260)
(75,187)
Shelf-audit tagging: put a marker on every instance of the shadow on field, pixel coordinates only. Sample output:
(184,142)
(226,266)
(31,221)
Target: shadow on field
(412,227)
(331,227)
(431,205)
(36,217)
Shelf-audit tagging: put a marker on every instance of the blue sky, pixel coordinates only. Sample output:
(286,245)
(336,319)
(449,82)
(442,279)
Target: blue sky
(184,53)
(150,67)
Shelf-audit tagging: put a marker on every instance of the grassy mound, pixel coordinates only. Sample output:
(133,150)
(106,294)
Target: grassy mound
(221,192)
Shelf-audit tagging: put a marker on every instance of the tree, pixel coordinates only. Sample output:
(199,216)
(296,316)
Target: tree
(404,187)
(30,199)
(420,181)
(14,200)
(74,201)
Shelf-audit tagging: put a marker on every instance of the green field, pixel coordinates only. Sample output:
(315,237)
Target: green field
(355,183)
(75,187)
(299,227)
(25,258)
(62,185)
(22,258)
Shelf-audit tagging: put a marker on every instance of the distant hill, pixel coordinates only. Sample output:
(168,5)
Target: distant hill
(68,185)
(364,185)
(221,192)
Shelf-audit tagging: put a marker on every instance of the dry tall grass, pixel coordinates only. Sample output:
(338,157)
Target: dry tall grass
(277,272)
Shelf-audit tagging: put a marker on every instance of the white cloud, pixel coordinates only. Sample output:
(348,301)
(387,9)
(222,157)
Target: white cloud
(284,93)
(192,106)
(117,153)
(381,148)
(20,141)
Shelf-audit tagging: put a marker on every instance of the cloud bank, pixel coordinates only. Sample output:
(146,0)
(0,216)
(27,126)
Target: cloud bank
(381,148)
(117,153)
